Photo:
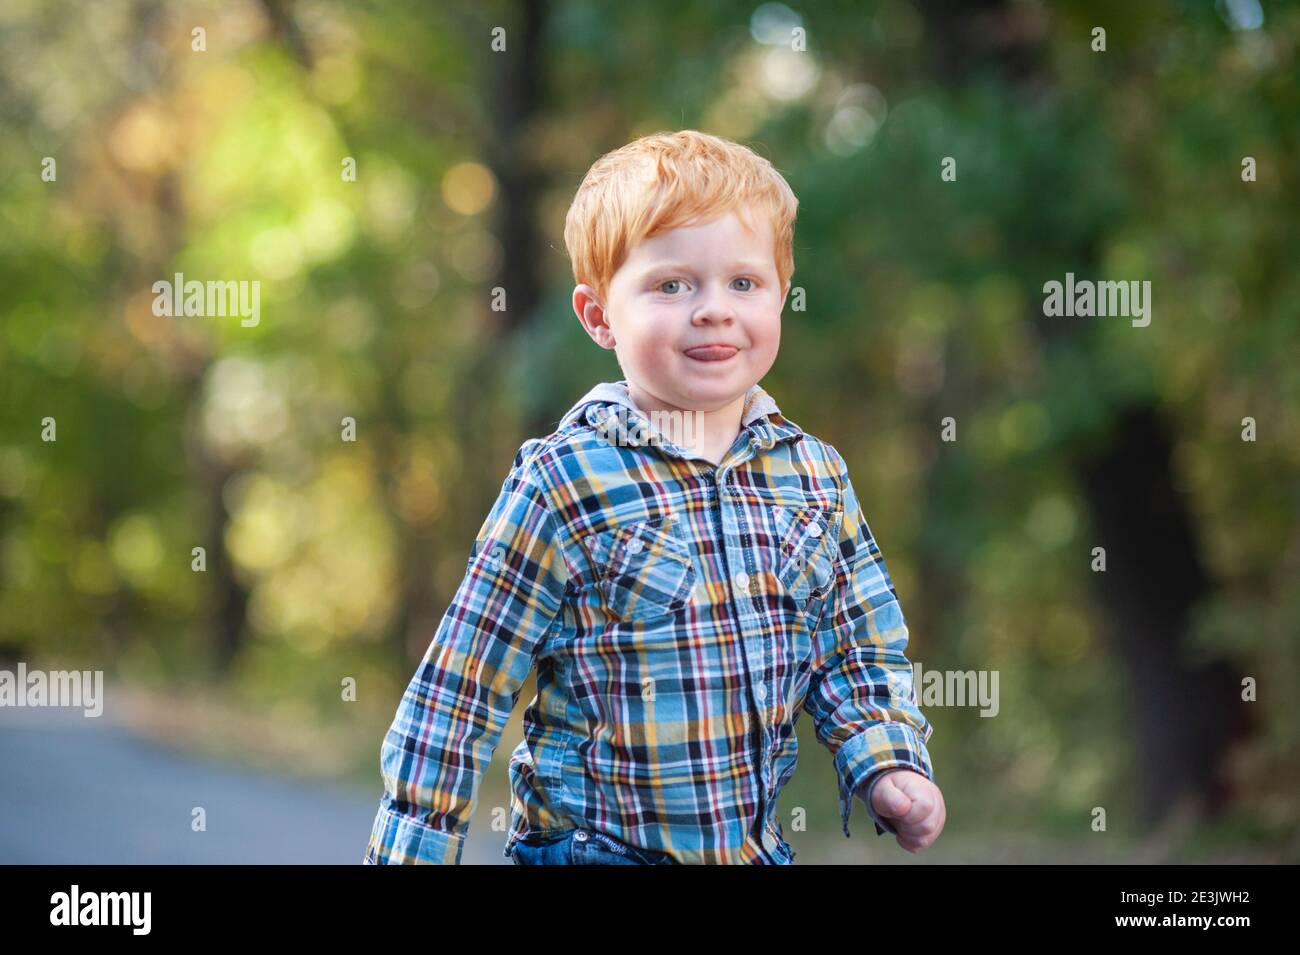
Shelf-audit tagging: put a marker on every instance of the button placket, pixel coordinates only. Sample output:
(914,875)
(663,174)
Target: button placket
(755,650)
(760,683)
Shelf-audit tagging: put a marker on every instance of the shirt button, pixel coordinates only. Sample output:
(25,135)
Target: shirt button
(814,530)
(741,581)
(761,693)
(634,545)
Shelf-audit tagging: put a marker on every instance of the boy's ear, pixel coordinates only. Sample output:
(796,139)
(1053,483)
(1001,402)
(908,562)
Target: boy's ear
(590,309)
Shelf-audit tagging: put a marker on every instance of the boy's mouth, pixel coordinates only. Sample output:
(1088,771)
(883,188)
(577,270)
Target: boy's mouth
(711,352)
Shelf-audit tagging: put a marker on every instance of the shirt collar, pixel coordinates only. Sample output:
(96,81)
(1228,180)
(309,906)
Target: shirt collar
(600,407)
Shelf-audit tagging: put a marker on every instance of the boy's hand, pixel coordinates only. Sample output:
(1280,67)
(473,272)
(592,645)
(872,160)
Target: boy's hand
(914,806)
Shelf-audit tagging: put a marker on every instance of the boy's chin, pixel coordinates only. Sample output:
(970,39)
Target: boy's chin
(708,399)
(694,395)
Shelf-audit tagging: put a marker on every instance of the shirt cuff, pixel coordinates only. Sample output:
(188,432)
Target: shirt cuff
(397,839)
(864,758)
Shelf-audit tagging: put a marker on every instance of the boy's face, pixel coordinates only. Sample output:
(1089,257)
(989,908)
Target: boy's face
(713,284)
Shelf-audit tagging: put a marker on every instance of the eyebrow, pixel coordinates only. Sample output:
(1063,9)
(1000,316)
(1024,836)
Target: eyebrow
(745,266)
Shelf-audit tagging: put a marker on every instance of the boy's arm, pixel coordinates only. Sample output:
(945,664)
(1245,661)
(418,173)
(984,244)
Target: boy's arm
(860,696)
(452,713)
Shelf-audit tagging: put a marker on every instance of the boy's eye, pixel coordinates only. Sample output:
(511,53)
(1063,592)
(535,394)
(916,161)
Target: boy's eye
(671,286)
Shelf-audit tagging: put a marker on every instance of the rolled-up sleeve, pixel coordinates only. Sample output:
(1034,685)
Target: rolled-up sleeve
(453,711)
(860,696)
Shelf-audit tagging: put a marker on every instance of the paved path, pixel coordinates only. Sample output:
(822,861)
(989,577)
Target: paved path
(75,790)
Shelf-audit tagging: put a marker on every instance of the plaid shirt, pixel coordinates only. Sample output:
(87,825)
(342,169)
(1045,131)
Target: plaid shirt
(679,616)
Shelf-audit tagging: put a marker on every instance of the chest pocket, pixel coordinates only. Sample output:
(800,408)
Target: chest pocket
(806,560)
(645,569)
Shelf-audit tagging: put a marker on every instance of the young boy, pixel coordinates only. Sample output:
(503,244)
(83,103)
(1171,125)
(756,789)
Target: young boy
(686,569)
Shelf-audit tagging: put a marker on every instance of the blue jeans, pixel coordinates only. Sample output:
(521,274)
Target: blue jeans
(583,847)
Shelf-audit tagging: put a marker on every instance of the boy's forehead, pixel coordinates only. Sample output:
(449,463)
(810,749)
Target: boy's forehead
(725,238)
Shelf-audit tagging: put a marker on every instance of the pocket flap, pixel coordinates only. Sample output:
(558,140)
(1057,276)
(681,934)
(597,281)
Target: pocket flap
(639,542)
(644,568)
(807,549)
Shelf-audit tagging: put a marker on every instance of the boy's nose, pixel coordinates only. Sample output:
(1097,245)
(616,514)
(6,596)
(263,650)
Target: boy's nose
(715,305)
(714,308)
